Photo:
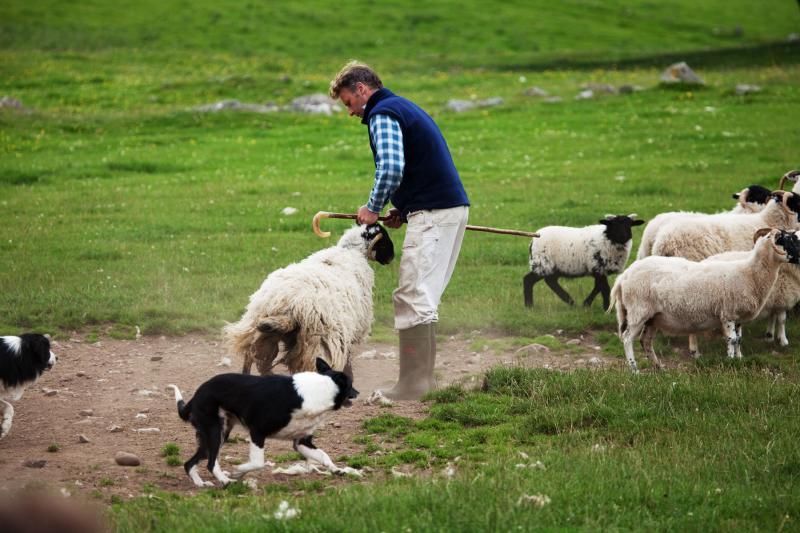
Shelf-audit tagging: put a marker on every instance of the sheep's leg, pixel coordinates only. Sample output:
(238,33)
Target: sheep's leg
(739,341)
(769,335)
(782,340)
(248,361)
(552,282)
(628,336)
(600,287)
(528,281)
(729,332)
(265,350)
(647,345)
(694,348)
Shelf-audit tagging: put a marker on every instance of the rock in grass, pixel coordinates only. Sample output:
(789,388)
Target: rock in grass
(127,459)
(680,73)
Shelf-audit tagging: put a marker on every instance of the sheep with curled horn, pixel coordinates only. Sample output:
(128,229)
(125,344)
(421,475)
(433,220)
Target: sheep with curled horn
(321,306)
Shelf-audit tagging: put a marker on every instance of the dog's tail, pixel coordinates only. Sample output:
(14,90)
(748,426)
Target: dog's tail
(184,409)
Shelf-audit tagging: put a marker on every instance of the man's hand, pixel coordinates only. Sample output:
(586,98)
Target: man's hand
(395,219)
(365,216)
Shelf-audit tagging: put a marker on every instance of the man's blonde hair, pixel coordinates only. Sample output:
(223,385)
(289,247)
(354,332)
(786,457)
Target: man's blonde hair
(352,73)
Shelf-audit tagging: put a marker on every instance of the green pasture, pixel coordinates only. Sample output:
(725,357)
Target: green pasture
(124,207)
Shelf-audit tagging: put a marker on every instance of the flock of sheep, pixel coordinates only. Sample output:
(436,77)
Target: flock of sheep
(694,273)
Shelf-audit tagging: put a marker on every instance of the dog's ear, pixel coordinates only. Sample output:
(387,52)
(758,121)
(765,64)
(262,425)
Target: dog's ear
(322,366)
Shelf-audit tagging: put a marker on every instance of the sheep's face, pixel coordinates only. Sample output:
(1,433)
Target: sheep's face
(756,194)
(381,250)
(790,243)
(618,227)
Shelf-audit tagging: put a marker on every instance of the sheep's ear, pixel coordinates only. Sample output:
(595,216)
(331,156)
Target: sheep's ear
(735,196)
(637,222)
(760,233)
(322,366)
(603,221)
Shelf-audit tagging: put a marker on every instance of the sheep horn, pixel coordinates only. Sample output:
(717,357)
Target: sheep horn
(372,244)
(792,175)
(786,197)
(760,233)
(743,196)
(632,216)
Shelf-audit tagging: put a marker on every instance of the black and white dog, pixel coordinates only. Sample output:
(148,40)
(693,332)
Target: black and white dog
(273,406)
(22,361)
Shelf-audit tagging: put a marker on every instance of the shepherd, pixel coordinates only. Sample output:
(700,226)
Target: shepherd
(415,171)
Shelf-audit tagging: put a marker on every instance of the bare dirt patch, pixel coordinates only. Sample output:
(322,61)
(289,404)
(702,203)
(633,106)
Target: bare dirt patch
(112,394)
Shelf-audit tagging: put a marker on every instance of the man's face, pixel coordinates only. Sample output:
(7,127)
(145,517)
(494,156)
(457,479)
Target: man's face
(355,101)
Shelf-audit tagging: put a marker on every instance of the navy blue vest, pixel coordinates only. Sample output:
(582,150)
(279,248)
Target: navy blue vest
(430,179)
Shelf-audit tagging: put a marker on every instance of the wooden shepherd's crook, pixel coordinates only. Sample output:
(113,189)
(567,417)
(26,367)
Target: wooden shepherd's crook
(348,216)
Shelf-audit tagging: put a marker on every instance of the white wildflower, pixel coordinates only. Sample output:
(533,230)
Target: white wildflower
(539,500)
(285,512)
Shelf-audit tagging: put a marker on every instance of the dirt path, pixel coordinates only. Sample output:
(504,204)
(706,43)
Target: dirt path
(112,393)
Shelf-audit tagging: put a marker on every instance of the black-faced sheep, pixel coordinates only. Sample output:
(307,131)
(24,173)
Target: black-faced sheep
(785,294)
(681,297)
(597,250)
(321,305)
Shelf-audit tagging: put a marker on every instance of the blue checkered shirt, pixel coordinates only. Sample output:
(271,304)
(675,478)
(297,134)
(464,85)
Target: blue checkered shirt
(389,160)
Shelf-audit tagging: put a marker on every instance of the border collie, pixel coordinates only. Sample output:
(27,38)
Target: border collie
(22,361)
(273,406)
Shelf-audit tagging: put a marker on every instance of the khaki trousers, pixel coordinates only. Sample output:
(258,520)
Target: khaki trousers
(430,250)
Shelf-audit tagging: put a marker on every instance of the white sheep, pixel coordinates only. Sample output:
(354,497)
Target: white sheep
(785,294)
(751,199)
(680,297)
(703,236)
(597,250)
(321,305)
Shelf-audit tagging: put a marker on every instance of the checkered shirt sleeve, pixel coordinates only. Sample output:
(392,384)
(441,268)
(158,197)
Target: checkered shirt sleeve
(389,160)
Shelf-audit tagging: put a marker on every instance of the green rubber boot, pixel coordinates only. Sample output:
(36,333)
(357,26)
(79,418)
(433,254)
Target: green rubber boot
(417,358)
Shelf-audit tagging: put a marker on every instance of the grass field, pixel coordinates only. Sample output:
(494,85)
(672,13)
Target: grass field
(123,207)
(708,450)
